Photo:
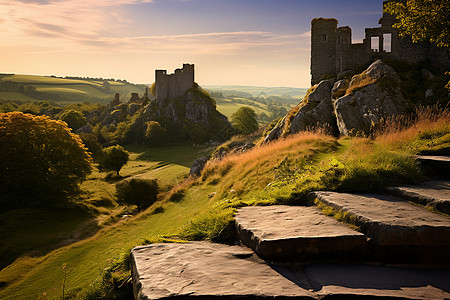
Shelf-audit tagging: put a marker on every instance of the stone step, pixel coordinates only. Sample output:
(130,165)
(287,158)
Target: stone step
(206,270)
(435,166)
(297,233)
(435,194)
(338,281)
(399,232)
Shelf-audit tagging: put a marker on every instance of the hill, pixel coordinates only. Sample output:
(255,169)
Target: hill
(203,208)
(16,87)
(255,91)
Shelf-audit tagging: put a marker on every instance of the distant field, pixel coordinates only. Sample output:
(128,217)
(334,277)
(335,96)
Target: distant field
(64,91)
(259,90)
(229,107)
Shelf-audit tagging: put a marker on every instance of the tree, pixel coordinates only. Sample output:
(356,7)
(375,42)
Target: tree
(114,158)
(423,20)
(155,134)
(73,118)
(140,192)
(244,120)
(41,161)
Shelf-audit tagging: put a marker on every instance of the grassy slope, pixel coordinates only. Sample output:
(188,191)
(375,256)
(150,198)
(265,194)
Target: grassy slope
(228,107)
(69,89)
(281,172)
(43,230)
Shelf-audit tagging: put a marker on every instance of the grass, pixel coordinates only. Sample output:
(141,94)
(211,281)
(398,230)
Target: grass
(68,90)
(281,172)
(47,231)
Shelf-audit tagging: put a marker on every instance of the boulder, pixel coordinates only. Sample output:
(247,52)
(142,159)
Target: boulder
(197,166)
(314,111)
(84,129)
(371,96)
(317,111)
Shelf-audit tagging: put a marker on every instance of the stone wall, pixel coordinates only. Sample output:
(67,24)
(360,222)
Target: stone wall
(171,86)
(332,50)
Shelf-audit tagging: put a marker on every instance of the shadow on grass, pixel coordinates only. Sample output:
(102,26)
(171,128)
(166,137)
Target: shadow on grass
(37,231)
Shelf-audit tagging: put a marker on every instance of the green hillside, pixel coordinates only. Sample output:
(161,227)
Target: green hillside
(16,87)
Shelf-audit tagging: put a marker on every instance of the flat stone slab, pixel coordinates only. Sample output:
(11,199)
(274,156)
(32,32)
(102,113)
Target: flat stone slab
(360,281)
(434,194)
(202,269)
(282,232)
(435,165)
(390,221)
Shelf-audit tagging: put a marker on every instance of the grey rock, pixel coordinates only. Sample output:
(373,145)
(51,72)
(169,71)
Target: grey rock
(84,129)
(317,112)
(339,88)
(197,166)
(358,281)
(206,270)
(434,194)
(367,106)
(388,220)
(295,232)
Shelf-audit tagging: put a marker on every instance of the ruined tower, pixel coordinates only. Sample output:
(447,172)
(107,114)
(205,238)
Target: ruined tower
(332,50)
(171,86)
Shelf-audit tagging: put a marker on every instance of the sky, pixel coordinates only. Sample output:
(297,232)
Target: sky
(231,42)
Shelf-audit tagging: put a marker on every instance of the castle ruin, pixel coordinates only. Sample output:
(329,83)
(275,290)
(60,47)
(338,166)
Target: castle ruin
(332,50)
(171,86)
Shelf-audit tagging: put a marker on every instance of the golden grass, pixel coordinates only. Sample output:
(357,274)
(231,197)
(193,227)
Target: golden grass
(398,131)
(359,81)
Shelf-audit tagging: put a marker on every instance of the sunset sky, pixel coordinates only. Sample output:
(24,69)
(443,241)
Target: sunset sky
(242,42)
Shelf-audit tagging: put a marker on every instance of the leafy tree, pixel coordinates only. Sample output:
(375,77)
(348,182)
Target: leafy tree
(423,20)
(155,134)
(73,118)
(244,120)
(41,161)
(140,192)
(114,158)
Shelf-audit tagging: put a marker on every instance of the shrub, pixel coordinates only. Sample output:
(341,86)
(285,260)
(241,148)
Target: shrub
(155,134)
(139,192)
(74,119)
(113,159)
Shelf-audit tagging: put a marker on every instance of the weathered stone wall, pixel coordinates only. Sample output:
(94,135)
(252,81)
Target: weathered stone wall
(171,86)
(332,50)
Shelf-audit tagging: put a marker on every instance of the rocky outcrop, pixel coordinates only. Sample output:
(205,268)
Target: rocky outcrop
(315,111)
(197,166)
(371,96)
(346,106)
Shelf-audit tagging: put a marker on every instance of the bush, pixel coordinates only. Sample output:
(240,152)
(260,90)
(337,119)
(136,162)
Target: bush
(139,192)
(74,119)
(113,159)
(155,134)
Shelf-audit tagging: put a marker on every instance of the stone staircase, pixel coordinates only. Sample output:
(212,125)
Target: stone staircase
(393,249)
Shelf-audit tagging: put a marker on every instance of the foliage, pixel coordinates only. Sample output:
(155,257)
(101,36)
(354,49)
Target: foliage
(244,120)
(113,158)
(423,20)
(73,118)
(155,134)
(139,192)
(42,162)
(90,141)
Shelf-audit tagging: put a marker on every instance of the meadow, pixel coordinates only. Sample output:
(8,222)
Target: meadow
(202,208)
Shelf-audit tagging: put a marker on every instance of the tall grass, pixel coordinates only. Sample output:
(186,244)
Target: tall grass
(425,131)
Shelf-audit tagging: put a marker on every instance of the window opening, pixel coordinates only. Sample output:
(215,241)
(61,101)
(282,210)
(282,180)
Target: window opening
(387,42)
(375,44)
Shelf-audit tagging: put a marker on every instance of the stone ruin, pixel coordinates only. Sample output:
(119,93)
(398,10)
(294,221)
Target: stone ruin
(172,86)
(332,50)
